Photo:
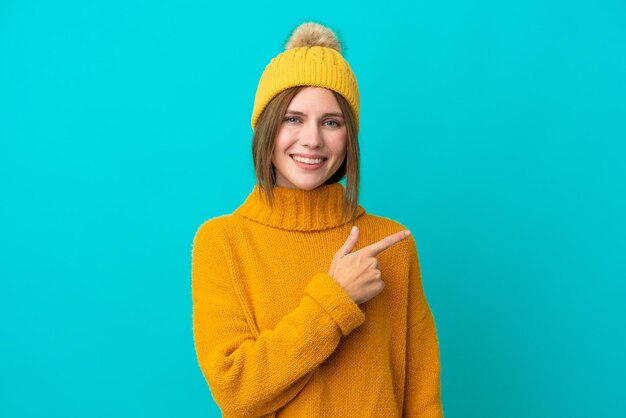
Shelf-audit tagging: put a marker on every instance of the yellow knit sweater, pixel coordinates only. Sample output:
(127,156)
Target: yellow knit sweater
(276,336)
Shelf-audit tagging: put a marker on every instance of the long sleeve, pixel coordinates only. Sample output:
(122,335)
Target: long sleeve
(423,371)
(254,375)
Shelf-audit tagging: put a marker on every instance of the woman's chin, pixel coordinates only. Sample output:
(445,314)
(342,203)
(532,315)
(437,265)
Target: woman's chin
(306,184)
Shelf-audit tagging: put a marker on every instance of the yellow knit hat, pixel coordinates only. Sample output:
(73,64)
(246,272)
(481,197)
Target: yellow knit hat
(312,57)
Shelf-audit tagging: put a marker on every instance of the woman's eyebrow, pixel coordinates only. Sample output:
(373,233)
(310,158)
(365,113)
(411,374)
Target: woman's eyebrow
(297,112)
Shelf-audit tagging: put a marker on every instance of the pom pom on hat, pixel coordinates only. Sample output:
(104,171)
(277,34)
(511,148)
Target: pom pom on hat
(312,57)
(313,34)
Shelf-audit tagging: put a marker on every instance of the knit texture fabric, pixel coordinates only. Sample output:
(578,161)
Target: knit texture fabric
(307,66)
(276,336)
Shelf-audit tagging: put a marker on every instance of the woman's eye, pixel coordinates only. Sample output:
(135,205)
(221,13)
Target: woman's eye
(291,119)
(333,123)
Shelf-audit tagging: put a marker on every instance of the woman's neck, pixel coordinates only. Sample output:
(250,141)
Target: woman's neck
(297,209)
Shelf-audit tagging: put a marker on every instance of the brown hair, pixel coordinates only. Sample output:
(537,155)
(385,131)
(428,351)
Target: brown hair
(264,139)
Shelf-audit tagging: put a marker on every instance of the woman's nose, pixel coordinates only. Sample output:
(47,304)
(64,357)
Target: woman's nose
(311,135)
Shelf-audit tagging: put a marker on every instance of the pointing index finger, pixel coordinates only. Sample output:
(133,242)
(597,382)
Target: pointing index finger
(380,246)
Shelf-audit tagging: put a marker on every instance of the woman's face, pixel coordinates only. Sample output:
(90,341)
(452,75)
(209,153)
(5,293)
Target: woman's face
(311,141)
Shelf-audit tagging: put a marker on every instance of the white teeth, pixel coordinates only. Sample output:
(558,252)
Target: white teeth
(307,160)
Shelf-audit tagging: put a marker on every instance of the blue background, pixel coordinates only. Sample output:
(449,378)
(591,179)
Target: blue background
(494,131)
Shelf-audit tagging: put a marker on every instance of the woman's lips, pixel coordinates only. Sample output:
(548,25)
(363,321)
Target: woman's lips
(306,166)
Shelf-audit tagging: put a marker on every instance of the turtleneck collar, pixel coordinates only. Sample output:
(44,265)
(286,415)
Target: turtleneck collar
(297,209)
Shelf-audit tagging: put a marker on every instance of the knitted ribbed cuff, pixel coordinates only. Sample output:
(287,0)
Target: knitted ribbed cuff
(327,292)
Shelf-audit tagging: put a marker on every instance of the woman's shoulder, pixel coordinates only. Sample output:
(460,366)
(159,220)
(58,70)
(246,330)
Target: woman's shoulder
(213,228)
(382,223)
(379,227)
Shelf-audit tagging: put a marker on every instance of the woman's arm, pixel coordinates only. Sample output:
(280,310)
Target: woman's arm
(253,375)
(422,393)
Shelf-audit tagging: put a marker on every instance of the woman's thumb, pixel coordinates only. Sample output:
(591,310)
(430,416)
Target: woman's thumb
(350,243)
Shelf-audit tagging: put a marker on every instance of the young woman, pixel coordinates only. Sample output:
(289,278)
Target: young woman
(304,305)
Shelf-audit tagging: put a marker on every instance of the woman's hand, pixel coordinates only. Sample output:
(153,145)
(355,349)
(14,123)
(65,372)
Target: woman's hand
(358,272)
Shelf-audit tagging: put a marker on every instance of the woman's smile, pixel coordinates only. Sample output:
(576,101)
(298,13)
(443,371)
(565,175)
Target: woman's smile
(308,163)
